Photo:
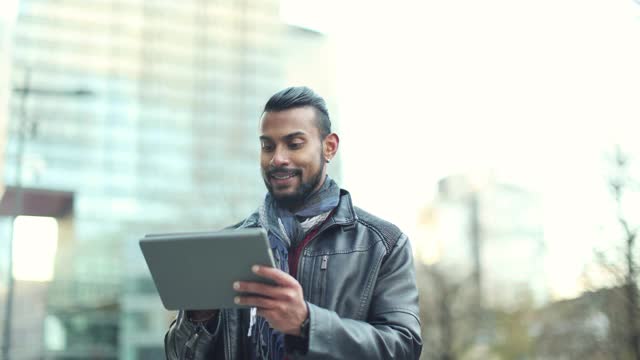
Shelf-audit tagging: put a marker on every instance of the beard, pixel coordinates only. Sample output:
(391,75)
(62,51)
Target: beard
(297,198)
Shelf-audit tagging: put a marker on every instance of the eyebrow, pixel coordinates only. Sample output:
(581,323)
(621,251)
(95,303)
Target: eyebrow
(287,137)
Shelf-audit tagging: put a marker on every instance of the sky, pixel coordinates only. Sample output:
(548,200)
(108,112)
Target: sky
(536,91)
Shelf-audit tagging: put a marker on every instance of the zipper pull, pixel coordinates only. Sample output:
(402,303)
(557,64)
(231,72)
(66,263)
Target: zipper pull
(189,346)
(325,259)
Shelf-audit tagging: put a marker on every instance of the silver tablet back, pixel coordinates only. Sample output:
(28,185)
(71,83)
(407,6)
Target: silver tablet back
(196,271)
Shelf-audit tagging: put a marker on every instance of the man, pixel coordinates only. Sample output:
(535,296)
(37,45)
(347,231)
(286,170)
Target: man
(346,284)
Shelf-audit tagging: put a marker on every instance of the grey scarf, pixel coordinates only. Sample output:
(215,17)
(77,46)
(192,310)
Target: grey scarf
(285,232)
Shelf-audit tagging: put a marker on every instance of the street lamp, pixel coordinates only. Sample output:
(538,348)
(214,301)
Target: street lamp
(23,127)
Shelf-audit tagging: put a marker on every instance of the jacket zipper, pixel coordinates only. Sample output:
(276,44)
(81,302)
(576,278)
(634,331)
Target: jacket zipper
(320,231)
(225,335)
(189,346)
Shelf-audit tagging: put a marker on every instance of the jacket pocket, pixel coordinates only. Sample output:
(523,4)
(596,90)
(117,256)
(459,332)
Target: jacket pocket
(317,286)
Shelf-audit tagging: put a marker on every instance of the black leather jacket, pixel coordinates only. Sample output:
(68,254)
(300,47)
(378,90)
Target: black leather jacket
(358,278)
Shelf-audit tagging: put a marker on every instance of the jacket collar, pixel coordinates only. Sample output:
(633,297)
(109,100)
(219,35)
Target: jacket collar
(344,214)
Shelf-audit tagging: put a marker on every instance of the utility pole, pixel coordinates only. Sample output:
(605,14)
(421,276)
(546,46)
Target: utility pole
(8,311)
(23,128)
(476,244)
(475,237)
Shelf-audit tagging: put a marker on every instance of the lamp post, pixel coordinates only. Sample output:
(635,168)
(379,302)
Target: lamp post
(23,127)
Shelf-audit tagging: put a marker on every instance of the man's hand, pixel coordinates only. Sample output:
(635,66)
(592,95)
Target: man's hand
(282,305)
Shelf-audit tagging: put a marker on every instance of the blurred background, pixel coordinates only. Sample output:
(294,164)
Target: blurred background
(501,136)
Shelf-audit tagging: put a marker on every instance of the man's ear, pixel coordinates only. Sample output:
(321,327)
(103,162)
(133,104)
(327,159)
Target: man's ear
(330,146)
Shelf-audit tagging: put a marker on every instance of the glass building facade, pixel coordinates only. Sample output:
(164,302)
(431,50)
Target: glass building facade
(147,113)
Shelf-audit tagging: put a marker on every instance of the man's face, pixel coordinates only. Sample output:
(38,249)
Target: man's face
(291,157)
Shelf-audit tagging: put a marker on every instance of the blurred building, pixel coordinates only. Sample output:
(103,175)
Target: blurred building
(7,22)
(147,112)
(488,234)
(310,61)
(35,237)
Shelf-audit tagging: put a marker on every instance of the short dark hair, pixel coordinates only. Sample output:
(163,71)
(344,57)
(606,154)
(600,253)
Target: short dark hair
(300,96)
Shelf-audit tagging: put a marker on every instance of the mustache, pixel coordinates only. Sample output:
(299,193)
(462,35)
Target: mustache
(283,170)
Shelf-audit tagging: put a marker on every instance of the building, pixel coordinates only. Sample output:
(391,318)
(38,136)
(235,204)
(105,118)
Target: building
(147,113)
(7,23)
(490,234)
(310,60)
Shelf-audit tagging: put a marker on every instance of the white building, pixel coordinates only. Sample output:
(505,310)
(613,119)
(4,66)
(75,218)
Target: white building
(487,233)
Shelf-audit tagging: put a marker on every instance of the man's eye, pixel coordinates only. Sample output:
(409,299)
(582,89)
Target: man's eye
(267,147)
(294,146)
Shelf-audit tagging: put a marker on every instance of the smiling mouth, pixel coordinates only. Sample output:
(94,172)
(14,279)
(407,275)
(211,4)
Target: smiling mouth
(282,176)
(279,175)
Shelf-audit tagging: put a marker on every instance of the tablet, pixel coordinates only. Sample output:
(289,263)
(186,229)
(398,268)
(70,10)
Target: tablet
(196,271)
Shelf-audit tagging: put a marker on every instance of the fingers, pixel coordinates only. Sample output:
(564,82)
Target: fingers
(264,290)
(259,289)
(280,277)
(282,304)
(260,302)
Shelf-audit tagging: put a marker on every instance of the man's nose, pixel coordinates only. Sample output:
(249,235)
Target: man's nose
(280,157)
